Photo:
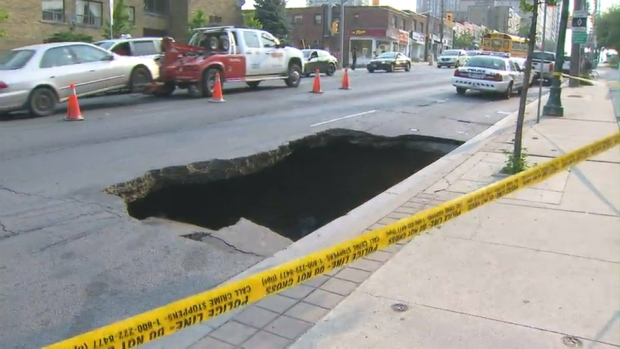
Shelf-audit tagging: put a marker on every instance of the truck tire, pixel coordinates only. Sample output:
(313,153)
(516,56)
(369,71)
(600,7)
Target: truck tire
(208,82)
(294,75)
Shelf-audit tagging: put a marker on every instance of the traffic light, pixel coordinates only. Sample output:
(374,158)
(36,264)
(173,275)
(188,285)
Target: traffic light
(335,26)
(450,17)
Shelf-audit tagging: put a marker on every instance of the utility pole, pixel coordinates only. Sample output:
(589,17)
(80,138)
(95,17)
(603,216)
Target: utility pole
(554,103)
(575,50)
(341,28)
(441,28)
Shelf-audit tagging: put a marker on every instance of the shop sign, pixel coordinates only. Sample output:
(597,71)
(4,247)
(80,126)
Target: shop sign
(368,32)
(403,37)
(417,37)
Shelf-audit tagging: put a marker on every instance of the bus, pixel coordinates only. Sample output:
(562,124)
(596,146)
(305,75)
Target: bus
(516,46)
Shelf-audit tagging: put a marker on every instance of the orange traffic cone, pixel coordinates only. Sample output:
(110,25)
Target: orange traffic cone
(345,80)
(316,86)
(73,107)
(218,96)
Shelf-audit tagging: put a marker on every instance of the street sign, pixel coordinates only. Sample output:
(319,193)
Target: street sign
(579,24)
(580,37)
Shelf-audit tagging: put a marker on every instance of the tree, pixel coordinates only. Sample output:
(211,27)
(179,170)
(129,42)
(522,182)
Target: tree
(66,36)
(198,20)
(121,23)
(608,29)
(250,20)
(4,16)
(272,15)
(463,40)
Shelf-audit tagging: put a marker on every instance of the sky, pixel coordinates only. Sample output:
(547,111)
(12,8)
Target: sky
(605,4)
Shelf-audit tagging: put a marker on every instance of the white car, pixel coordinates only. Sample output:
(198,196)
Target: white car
(135,47)
(489,74)
(452,58)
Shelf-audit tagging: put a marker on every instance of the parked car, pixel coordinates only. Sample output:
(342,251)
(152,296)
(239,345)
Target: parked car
(145,47)
(544,60)
(389,62)
(489,74)
(452,58)
(36,78)
(566,65)
(321,60)
(521,64)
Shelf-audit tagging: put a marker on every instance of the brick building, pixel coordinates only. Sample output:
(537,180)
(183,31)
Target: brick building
(371,29)
(30,21)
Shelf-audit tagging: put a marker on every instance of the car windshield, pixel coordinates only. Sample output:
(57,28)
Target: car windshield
(451,53)
(387,55)
(306,53)
(105,44)
(472,53)
(15,59)
(545,56)
(488,62)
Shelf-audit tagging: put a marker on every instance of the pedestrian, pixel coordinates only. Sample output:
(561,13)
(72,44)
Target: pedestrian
(353,58)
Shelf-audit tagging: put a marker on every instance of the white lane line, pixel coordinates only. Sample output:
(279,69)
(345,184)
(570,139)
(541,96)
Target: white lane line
(343,118)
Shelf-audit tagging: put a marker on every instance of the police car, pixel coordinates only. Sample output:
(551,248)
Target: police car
(492,74)
(128,46)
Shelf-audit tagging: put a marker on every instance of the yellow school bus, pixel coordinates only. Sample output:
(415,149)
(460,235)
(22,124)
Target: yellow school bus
(500,42)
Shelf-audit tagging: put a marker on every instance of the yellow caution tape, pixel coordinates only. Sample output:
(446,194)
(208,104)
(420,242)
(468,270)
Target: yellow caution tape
(176,316)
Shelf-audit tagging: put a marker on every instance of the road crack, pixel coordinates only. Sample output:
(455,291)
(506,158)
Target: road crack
(200,235)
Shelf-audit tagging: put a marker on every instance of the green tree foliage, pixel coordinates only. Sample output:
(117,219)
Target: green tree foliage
(272,15)
(464,40)
(121,23)
(608,29)
(66,36)
(198,20)
(4,16)
(250,20)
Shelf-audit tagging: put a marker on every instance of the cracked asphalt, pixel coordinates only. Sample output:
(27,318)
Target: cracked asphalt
(71,259)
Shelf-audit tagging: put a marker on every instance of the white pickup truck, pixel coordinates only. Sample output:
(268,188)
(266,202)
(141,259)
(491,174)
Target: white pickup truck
(546,61)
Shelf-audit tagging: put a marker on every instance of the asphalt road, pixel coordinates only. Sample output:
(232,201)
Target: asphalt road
(70,258)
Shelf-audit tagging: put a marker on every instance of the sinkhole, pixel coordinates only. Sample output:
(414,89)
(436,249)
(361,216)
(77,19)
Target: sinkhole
(292,190)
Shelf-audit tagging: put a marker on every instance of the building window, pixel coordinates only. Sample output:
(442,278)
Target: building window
(421,30)
(157,7)
(53,10)
(318,19)
(215,19)
(297,19)
(131,12)
(394,22)
(88,12)
(415,25)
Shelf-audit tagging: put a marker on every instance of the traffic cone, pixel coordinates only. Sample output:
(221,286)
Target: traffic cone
(345,80)
(218,96)
(316,86)
(73,107)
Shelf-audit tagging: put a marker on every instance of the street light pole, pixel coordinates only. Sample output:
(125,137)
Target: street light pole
(554,103)
(540,81)
(441,28)
(342,32)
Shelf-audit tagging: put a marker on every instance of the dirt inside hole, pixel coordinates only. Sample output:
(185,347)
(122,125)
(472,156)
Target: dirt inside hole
(298,188)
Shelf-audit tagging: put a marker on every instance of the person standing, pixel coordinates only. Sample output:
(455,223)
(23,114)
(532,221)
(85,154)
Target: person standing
(354,58)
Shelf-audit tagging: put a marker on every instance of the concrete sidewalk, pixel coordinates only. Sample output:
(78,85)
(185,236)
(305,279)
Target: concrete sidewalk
(538,269)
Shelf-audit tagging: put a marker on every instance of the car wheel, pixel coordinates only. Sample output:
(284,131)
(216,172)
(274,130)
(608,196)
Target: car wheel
(294,75)
(457,65)
(207,84)
(438,66)
(331,69)
(408,67)
(391,68)
(42,102)
(508,92)
(140,78)
(371,70)
(253,84)
(461,90)
(166,90)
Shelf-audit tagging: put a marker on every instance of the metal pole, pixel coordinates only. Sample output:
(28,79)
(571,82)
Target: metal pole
(554,102)
(441,28)
(540,81)
(575,51)
(342,31)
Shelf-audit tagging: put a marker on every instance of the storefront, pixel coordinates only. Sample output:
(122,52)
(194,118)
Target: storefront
(403,46)
(417,46)
(372,42)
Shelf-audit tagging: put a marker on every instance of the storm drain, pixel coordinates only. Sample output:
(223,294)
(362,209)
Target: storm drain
(292,190)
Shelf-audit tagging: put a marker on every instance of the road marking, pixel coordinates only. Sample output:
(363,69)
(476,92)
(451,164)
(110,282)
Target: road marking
(503,112)
(343,118)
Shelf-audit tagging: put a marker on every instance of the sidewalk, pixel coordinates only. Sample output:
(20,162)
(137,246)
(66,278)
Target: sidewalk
(538,269)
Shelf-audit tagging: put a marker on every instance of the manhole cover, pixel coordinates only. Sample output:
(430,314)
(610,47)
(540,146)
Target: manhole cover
(574,96)
(571,342)
(400,307)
